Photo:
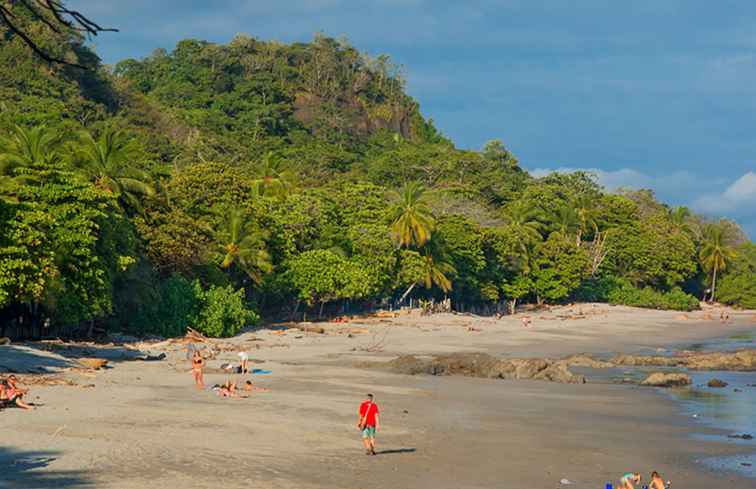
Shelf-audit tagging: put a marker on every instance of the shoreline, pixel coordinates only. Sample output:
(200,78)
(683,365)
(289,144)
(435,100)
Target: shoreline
(143,424)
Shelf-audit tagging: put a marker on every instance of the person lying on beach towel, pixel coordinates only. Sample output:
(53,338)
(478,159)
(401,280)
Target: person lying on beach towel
(10,393)
(250,387)
(627,480)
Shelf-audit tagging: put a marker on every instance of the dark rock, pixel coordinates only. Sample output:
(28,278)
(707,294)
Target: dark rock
(744,436)
(717,383)
(5,341)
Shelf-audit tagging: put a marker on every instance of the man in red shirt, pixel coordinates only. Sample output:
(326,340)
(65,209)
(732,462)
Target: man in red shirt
(368,423)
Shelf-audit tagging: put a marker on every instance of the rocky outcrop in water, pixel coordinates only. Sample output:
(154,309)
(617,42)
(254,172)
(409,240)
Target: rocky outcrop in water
(486,366)
(667,379)
(717,383)
(743,360)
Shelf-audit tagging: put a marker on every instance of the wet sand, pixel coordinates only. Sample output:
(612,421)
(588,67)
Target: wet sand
(144,425)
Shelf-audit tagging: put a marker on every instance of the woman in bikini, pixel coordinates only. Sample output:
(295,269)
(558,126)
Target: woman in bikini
(197,364)
(10,393)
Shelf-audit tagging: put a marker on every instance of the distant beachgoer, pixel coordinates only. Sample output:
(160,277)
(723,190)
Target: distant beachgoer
(197,365)
(526,322)
(11,393)
(250,387)
(369,423)
(244,361)
(627,480)
(656,481)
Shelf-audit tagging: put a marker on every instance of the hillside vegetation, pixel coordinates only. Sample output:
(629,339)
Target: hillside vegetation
(214,184)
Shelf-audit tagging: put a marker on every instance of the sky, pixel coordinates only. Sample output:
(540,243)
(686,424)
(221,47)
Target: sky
(656,94)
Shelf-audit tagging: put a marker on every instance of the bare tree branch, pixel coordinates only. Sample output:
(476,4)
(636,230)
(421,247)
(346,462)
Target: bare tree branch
(57,17)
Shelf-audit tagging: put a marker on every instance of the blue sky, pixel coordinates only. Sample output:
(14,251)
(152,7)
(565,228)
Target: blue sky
(657,94)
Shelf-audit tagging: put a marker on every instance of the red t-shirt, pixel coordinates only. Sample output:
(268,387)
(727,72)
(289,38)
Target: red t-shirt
(372,411)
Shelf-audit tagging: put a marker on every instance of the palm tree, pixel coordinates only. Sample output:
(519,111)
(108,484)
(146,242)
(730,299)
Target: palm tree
(524,224)
(716,251)
(108,161)
(586,213)
(271,179)
(242,243)
(566,220)
(24,148)
(412,220)
(435,270)
(681,217)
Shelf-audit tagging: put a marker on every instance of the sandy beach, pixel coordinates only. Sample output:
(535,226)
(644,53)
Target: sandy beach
(143,424)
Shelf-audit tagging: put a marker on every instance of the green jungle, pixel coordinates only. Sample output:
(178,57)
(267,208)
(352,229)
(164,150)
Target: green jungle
(212,186)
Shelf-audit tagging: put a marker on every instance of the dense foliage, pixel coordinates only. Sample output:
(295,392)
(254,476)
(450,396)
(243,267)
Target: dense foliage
(214,183)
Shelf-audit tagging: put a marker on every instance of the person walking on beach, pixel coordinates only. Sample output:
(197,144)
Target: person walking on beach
(369,423)
(197,364)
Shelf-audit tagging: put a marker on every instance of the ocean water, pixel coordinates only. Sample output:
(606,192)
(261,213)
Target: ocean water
(731,409)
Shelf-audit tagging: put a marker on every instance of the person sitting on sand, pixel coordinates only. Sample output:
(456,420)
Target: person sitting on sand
(656,481)
(627,480)
(197,364)
(526,322)
(10,393)
(250,387)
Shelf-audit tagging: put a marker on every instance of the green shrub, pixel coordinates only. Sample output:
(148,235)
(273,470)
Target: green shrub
(222,311)
(179,304)
(647,297)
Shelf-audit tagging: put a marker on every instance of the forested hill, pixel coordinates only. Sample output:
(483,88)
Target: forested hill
(212,184)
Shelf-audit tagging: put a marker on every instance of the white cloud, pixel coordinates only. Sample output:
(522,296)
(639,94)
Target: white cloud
(739,198)
(612,180)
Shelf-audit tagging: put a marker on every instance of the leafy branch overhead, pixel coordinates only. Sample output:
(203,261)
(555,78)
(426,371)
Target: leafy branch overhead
(55,16)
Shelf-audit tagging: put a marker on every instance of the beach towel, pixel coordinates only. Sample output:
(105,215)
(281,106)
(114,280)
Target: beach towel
(260,371)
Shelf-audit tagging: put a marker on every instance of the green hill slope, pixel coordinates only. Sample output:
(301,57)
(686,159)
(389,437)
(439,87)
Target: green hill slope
(215,183)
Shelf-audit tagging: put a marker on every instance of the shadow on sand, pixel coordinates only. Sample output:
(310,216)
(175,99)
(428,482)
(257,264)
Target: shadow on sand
(26,470)
(45,357)
(395,451)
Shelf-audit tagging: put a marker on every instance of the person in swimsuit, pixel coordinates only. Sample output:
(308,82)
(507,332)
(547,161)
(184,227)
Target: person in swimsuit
(197,364)
(12,394)
(656,481)
(243,362)
(627,480)
(250,387)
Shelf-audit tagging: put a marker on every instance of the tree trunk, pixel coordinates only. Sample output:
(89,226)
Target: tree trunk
(404,296)
(578,238)
(512,306)
(320,315)
(90,331)
(713,283)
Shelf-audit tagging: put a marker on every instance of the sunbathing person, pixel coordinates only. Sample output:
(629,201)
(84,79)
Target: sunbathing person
(10,393)
(250,387)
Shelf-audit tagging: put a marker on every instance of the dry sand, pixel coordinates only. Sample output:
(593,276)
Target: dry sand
(143,424)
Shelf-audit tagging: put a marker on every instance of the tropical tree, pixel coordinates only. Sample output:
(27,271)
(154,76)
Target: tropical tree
(427,268)
(716,251)
(412,220)
(585,210)
(271,179)
(243,243)
(565,221)
(108,162)
(523,224)
(24,148)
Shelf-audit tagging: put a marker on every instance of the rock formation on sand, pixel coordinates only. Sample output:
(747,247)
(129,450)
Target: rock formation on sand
(743,360)
(667,379)
(486,366)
